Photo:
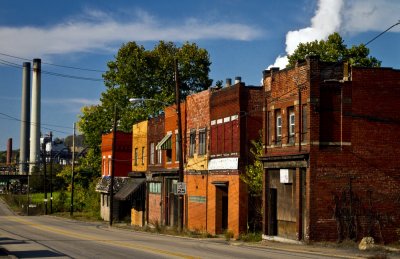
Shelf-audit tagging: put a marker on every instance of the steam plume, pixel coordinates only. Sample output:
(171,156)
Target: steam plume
(326,21)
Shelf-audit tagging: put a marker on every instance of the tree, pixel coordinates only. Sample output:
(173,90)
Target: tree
(254,178)
(334,50)
(140,73)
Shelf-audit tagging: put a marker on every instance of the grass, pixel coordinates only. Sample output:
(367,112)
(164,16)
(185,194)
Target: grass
(39,197)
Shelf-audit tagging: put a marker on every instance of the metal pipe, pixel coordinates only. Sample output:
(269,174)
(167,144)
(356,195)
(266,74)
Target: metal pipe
(113,165)
(71,211)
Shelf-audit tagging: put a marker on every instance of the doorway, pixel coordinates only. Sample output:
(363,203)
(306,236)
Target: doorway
(273,212)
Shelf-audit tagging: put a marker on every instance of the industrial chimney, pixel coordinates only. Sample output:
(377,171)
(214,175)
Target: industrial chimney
(9,151)
(25,118)
(35,116)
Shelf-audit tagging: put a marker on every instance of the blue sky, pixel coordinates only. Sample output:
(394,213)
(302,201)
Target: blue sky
(242,37)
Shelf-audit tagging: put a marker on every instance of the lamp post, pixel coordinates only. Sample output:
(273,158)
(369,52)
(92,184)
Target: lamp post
(179,137)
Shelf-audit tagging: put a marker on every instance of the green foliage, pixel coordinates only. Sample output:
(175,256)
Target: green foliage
(140,73)
(333,50)
(251,237)
(254,172)
(228,234)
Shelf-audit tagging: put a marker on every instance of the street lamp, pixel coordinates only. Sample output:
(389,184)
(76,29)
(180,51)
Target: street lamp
(179,122)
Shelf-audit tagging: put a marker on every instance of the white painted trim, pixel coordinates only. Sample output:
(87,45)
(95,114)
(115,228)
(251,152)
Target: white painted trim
(213,122)
(219,121)
(227,119)
(234,117)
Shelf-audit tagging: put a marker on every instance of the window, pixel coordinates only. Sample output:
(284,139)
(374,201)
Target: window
(152,153)
(269,128)
(154,187)
(177,147)
(104,166)
(278,132)
(168,153)
(192,143)
(202,142)
(159,155)
(291,125)
(109,165)
(304,124)
(136,156)
(143,155)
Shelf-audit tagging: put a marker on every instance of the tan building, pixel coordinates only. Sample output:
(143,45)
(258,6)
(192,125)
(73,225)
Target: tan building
(139,147)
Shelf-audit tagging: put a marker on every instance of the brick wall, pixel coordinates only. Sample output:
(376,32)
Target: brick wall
(154,208)
(365,175)
(155,133)
(123,153)
(353,176)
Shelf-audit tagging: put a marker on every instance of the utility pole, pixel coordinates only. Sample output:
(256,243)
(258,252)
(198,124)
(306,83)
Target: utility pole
(114,136)
(179,121)
(71,211)
(51,172)
(44,174)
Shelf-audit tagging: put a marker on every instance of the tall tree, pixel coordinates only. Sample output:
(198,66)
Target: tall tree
(139,73)
(333,50)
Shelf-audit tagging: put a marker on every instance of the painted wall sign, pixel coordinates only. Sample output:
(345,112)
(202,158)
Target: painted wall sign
(223,163)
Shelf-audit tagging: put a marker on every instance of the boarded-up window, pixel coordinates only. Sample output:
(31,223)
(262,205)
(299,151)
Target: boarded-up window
(214,139)
(228,137)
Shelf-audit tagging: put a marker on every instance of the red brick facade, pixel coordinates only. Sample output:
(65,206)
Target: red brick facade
(343,169)
(123,154)
(236,119)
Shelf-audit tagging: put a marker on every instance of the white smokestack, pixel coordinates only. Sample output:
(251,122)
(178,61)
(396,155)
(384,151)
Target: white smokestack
(327,20)
(35,116)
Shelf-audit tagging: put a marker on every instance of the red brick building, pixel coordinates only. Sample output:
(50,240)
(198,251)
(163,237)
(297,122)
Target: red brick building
(155,133)
(331,152)
(235,120)
(197,155)
(164,178)
(123,161)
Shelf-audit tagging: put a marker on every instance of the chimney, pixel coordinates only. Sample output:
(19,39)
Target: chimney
(25,118)
(238,80)
(35,116)
(9,151)
(228,82)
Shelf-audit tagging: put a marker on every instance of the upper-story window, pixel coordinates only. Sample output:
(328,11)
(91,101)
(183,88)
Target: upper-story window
(291,125)
(152,153)
(136,156)
(278,128)
(143,156)
(304,126)
(202,141)
(159,156)
(192,142)
(177,147)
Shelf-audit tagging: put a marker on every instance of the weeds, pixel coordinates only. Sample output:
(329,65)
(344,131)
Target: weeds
(251,237)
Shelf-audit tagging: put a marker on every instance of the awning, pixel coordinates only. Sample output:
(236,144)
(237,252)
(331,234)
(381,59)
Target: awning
(130,187)
(165,143)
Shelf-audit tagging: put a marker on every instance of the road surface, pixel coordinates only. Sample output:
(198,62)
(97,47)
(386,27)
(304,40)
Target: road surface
(47,236)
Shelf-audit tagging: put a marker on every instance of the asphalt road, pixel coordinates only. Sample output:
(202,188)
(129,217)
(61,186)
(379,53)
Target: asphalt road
(52,237)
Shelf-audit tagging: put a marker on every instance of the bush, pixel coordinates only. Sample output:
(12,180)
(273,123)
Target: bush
(228,235)
(251,237)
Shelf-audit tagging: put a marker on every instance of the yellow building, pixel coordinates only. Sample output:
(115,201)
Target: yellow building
(139,147)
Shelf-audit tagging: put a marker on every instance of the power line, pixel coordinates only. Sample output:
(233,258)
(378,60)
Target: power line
(15,65)
(9,117)
(380,34)
(56,65)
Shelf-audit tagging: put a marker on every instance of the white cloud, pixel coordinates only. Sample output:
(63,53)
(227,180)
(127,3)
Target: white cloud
(97,30)
(370,15)
(325,21)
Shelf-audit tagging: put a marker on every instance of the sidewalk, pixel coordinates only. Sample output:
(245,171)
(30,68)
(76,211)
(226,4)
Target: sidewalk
(345,250)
